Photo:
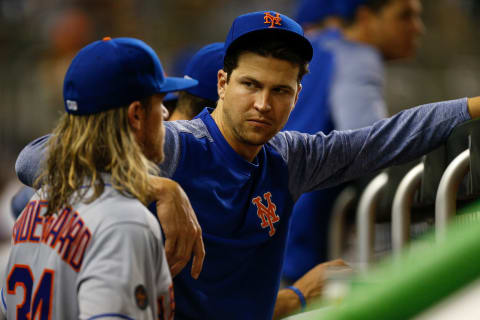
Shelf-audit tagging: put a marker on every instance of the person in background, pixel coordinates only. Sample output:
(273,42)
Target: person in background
(203,67)
(352,39)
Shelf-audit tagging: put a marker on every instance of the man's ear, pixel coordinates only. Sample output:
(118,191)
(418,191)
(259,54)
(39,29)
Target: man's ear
(221,83)
(136,115)
(165,113)
(299,88)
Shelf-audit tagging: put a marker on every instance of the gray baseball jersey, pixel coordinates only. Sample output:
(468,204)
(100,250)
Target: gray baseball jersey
(102,260)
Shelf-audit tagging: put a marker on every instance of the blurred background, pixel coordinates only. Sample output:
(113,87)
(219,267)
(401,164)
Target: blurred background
(40,37)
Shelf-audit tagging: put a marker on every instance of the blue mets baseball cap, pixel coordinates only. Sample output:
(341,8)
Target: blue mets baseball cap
(112,73)
(268,21)
(314,11)
(204,67)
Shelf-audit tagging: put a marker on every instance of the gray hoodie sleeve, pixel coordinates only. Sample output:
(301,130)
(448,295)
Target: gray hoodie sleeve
(171,148)
(319,161)
(30,160)
(356,94)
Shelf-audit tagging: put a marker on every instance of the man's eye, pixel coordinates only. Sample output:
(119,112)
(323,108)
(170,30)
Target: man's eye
(247,84)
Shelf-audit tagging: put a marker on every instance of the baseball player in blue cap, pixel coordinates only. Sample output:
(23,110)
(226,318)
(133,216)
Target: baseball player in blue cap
(323,13)
(203,67)
(85,246)
(243,175)
(344,90)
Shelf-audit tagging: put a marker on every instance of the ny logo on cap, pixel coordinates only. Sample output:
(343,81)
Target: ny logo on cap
(272,20)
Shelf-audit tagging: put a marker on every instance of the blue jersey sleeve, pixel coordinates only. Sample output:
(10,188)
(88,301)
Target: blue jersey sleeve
(319,161)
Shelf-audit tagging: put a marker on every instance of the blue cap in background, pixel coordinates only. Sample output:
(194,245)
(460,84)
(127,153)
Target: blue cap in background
(268,21)
(347,8)
(204,67)
(314,11)
(171,96)
(112,73)
(180,60)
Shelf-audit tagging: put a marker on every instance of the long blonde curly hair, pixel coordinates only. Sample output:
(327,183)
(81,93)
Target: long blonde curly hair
(81,148)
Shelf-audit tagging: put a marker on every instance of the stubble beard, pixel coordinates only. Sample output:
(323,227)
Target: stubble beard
(240,132)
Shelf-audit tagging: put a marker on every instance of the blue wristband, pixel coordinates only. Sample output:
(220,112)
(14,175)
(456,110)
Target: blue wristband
(300,296)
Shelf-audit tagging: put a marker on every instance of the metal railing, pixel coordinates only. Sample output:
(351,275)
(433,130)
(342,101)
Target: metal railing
(366,217)
(402,206)
(445,202)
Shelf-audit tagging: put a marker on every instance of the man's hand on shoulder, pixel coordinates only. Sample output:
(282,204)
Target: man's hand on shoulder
(183,234)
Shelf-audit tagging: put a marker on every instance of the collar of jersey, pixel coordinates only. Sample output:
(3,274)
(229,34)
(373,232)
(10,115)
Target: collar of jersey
(106,180)
(234,159)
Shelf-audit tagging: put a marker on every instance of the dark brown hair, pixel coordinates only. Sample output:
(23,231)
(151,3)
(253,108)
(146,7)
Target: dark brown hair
(191,105)
(279,45)
(373,5)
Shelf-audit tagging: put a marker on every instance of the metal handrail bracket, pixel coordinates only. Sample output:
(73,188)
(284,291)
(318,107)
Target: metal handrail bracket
(336,231)
(366,217)
(445,202)
(402,205)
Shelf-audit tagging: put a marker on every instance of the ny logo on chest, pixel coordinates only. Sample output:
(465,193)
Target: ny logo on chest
(266,213)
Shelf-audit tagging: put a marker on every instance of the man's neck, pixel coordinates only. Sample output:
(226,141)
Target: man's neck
(247,152)
(178,115)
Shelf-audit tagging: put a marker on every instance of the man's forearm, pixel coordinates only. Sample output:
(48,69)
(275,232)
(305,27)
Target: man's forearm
(287,303)
(310,286)
(183,234)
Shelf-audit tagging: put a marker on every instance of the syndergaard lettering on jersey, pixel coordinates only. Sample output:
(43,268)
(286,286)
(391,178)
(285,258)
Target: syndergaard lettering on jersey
(65,232)
(267,213)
